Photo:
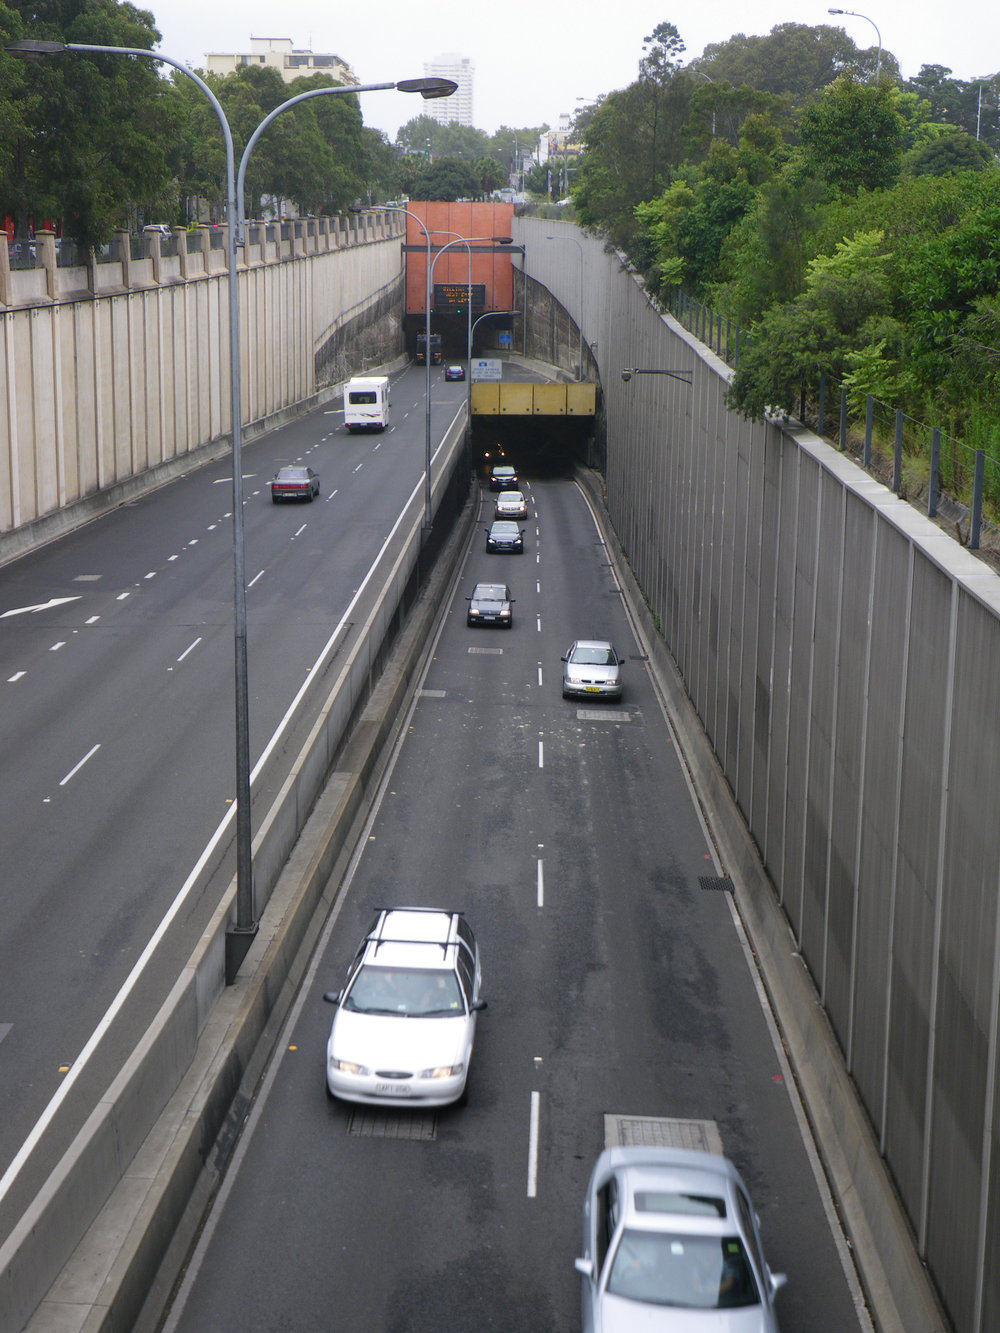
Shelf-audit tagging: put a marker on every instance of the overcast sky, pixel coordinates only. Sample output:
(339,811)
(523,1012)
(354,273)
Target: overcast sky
(535,61)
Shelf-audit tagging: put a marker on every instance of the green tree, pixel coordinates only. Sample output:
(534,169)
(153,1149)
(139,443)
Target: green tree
(85,135)
(844,309)
(852,135)
(492,176)
(944,153)
(793,58)
(448,178)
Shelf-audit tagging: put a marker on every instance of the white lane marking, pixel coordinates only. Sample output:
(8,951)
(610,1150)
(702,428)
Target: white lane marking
(171,558)
(76,768)
(16,676)
(539,673)
(540,883)
(538,585)
(122,595)
(150,575)
(541,754)
(332,494)
(193,541)
(258,575)
(56,646)
(190,648)
(92,620)
(128,985)
(359,467)
(41,606)
(533,1146)
(538,623)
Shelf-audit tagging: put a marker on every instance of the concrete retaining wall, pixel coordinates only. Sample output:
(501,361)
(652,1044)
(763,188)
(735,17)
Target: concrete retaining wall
(842,656)
(106,390)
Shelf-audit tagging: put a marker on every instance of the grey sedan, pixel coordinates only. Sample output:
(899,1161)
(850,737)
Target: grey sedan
(490,604)
(505,536)
(671,1245)
(592,668)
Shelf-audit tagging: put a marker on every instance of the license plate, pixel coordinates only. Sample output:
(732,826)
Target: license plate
(392,1090)
(593,689)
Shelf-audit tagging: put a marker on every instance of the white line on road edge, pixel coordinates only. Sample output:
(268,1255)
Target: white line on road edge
(73,771)
(131,981)
(533,1147)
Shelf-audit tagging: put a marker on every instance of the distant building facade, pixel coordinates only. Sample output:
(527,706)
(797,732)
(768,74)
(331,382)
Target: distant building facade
(278,53)
(456,109)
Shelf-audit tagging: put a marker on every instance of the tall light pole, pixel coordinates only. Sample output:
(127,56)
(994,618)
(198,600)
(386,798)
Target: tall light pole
(240,936)
(854,14)
(467,241)
(579,246)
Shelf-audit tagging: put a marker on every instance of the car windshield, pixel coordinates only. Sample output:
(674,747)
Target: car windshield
(487,592)
(406,992)
(691,1272)
(505,529)
(594,656)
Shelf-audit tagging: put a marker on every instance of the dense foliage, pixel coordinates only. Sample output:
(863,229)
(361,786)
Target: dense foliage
(91,142)
(847,218)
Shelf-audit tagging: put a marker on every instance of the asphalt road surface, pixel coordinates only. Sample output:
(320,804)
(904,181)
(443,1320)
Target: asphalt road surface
(619,984)
(117,750)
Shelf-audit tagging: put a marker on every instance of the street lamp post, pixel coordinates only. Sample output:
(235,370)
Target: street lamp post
(579,246)
(854,14)
(239,937)
(467,241)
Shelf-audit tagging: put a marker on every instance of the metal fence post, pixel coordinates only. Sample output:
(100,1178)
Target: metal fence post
(843,419)
(932,484)
(897,467)
(869,414)
(821,423)
(975,523)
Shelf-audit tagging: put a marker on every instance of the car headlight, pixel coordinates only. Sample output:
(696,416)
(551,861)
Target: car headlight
(442,1071)
(348,1067)
(473,611)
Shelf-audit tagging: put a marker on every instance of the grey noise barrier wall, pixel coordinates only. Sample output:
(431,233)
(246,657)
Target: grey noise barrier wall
(839,657)
(148,1169)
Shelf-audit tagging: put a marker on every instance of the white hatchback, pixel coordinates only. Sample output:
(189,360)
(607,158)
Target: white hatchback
(406,1019)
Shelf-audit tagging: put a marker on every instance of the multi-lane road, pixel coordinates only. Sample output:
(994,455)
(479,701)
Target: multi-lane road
(619,982)
(117,757)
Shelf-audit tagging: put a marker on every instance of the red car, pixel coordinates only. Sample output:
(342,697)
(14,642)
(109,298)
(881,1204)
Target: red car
(294,483)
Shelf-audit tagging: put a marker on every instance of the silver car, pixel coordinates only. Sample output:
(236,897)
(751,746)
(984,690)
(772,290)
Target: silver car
(592,668)
(511,504)
(671,1245)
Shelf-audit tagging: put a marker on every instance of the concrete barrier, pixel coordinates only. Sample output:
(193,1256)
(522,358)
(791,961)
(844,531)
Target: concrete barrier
(98,1231)
(900,1294)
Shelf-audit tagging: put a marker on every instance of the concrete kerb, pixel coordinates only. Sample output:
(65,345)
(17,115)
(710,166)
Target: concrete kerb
(127,1252)
(101,1153)
(898,1288)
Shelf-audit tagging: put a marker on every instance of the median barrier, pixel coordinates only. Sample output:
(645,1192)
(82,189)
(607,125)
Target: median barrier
(85,1254)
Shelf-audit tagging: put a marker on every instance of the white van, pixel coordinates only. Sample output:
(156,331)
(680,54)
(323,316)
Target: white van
(366,403)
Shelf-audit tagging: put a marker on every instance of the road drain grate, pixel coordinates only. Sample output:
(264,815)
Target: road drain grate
(370,1123)
(637,1131)
(604,715)
(486,652)
(713,882)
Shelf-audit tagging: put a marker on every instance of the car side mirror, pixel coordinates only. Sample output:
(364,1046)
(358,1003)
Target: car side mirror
(478,1004)
(584,1266)
(564,659)
(778,1280)
(333,996)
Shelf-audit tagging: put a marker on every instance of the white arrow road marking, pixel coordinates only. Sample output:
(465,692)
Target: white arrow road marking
(42,606)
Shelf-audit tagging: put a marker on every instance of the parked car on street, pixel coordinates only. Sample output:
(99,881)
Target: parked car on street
(294,483)
(405,1022)
(671,1244)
